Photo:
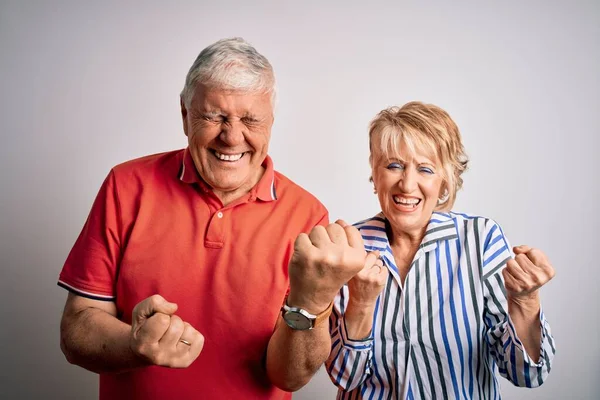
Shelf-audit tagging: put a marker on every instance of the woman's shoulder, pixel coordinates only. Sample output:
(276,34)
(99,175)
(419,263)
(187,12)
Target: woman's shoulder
(376,221)
(461,219)
(469,221)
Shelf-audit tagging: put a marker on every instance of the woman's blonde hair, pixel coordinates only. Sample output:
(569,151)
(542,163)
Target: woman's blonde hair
(426,128)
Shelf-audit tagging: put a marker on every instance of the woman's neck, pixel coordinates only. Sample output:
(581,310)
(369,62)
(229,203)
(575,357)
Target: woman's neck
(404,246)
(405,240)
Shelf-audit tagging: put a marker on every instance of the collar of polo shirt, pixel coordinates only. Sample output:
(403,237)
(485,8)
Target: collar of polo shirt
(264,190)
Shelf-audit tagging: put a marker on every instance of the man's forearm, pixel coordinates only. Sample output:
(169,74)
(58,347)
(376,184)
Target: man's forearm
(98,342)
(322,262)
(293,357)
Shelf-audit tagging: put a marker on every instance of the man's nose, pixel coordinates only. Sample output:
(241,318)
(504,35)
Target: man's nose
(232,133)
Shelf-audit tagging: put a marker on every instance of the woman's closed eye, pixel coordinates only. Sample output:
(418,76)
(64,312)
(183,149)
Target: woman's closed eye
(426,170)
(395,165)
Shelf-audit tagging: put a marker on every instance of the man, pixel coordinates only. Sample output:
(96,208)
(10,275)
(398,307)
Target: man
(177,279)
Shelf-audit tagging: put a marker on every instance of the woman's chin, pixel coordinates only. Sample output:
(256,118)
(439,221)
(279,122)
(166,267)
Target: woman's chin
(407,210)
(404,222)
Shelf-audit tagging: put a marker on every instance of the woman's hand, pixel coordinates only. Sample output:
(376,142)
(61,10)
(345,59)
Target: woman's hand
(526,274)
(523,278)
(366,286)
(364,289)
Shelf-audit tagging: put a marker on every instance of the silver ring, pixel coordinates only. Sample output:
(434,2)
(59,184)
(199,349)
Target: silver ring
(185,342)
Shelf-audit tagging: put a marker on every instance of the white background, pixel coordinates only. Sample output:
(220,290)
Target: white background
(86,86)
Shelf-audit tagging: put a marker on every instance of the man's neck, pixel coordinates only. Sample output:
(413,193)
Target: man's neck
(231,196)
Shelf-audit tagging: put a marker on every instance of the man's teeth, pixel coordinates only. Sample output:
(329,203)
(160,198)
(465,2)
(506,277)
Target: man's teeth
(228,157)
(406,202)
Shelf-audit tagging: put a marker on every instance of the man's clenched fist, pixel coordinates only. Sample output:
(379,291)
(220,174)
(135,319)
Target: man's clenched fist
(322,262)
(162,338)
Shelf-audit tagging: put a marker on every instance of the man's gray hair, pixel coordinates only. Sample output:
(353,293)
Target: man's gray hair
(230,64)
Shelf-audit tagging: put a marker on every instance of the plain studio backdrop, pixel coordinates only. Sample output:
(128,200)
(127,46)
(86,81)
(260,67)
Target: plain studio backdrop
(86,86)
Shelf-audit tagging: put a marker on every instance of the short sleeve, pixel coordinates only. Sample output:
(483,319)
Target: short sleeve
(91,267)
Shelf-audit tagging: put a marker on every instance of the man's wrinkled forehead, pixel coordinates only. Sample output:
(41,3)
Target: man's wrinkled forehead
(207,96)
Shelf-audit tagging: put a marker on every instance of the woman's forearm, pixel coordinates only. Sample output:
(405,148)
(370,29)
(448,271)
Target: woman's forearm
(525,315)
(359,320)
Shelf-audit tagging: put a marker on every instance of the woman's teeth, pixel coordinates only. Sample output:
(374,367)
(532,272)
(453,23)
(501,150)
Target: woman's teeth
(406,202)
(228,157)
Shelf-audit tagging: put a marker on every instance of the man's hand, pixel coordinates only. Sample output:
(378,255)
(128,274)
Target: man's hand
(323,261)
(526,274)
(366,286)
(160,337)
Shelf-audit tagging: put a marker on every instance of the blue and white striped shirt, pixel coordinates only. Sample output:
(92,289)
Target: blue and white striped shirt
(442,334)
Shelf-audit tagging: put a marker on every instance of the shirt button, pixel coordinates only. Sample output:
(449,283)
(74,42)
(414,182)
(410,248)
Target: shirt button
(220,214)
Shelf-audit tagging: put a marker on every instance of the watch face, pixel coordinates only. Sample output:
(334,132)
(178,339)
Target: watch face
(297,321)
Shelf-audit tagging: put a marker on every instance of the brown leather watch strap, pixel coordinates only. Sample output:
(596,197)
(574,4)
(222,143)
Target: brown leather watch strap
(324,315)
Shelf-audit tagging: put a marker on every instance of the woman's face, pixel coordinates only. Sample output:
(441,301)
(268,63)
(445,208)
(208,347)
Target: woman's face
(408,187)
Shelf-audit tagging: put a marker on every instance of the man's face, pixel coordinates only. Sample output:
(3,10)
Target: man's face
(228,135)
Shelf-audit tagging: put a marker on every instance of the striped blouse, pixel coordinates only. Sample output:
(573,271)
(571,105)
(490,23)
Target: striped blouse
(442,334)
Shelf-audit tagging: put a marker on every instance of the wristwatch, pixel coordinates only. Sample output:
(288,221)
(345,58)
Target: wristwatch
(300,319)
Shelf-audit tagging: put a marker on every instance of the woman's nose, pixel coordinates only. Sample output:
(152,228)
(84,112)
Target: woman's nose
(408,180)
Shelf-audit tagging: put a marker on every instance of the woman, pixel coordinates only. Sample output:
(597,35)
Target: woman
(450,304)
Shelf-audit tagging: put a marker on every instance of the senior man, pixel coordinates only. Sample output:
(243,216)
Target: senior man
(177,280)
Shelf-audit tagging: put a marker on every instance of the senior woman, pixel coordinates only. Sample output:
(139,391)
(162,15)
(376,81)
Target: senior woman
(450,307)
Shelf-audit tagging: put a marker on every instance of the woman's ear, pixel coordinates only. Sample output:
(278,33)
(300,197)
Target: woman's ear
(373,182)
(444,194)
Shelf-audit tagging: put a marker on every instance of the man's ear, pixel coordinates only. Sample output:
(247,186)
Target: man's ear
(184,113)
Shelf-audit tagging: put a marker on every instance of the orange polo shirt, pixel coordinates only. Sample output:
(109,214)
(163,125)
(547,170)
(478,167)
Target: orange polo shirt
(156,227)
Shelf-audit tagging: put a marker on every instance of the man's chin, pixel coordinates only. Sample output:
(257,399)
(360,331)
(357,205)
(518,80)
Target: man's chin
(234,180)
(225,185)
(228,181)
(224,177)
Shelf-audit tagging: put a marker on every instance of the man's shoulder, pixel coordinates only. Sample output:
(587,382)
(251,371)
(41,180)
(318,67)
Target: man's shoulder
(285,188)
(151,165)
